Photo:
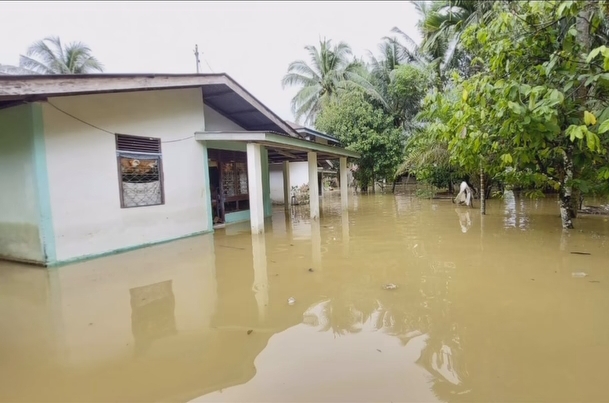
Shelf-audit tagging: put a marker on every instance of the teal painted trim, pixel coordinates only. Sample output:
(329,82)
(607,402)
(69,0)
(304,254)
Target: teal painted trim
(266,184)
(237,216)
(123,250)
(45,225)
(227,145)
(207,189)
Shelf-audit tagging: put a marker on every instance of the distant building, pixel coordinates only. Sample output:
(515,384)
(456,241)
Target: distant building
(299,170)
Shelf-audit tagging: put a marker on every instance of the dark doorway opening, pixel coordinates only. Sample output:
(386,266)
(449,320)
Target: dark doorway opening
(216,200)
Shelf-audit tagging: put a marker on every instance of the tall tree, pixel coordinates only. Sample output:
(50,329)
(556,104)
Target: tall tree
(364,127)
(524,114)
(440,25)
(394,81)
(320,79)
(50,56)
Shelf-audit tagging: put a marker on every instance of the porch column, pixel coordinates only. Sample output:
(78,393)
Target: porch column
(286,185)
(313,185)
(254,178)
(344,185)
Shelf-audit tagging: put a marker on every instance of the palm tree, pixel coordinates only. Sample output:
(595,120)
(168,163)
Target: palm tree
(321,79)
(7,69)
(384,80)
(50,56)
(441,24)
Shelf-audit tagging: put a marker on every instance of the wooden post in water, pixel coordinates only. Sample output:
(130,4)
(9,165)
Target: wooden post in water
(286,186)
(482,192)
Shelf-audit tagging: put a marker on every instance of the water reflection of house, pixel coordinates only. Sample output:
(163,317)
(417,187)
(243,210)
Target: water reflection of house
(91,165)
(169,323)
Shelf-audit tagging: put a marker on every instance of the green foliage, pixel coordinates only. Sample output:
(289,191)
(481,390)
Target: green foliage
(320,79)
(408,87)
(364,127)
(427,192)
(516,91)
(437,176)
(521,115)
(50,56)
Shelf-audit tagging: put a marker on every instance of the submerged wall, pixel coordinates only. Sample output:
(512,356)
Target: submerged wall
(299,175)
(22,178)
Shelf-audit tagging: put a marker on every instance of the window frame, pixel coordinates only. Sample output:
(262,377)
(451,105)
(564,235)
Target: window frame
(120,153)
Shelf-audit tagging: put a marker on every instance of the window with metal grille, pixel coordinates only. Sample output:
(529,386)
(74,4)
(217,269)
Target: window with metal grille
(140,169)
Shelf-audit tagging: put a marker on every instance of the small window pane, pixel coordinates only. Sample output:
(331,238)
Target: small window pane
(241,169)
(228,179)
(141,181)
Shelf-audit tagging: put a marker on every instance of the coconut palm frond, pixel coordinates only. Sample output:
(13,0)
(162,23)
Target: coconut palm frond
(320,78)
(50,56)
(6,69)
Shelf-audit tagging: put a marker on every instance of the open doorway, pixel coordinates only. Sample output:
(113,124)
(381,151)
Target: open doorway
(228,183)
(216,200)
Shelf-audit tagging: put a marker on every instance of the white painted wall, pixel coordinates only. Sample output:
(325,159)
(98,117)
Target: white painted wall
(299,175)
(19,213)
(276,179)
(83,174)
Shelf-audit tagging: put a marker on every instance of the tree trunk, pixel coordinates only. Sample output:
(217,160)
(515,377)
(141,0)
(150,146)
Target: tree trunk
(566,190)
(569,197)
(575,202)
(482,193)
(488,190)
(393,187)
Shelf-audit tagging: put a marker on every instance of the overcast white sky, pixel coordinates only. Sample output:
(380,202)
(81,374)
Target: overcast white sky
(252,41)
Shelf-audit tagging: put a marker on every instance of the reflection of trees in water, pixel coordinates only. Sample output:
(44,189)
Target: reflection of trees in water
(422,306)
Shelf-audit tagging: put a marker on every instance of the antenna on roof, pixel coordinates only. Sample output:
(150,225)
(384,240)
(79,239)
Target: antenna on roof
(197,57)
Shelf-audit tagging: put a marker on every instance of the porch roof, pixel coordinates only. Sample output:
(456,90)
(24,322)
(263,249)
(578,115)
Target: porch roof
(281,147)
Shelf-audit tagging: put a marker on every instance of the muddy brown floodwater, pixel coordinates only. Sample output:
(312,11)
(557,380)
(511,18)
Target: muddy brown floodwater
(485,310)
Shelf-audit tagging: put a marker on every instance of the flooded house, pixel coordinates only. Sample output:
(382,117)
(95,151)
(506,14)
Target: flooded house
(96,164)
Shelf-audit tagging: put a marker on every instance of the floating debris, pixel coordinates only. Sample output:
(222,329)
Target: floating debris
(581,253)
(249,331)
(311,270)
(231,247)
(578,274)
(378,350)
(594,281)
(291,301)
(390,286)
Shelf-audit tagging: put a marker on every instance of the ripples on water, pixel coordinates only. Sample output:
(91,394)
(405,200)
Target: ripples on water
(486,309)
